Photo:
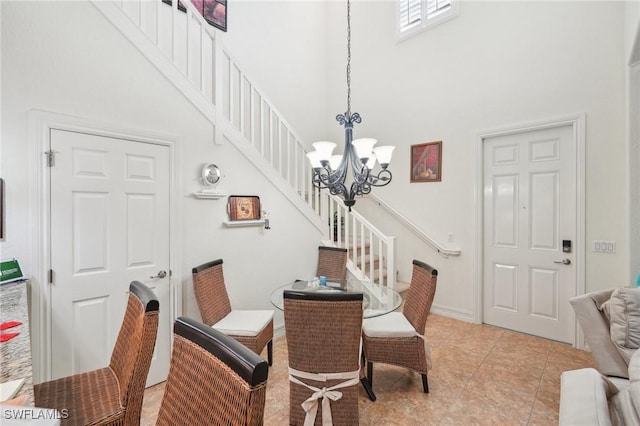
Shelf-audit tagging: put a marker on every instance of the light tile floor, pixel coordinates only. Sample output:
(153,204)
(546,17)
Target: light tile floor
(482,375)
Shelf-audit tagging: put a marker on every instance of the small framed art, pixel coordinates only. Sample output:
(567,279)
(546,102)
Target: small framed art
(243,207)
(213,11)
(426,162)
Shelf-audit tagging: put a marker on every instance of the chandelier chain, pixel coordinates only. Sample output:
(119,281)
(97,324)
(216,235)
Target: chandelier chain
(348,58)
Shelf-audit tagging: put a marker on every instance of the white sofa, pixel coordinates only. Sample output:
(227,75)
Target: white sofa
(610,395)
(590,398)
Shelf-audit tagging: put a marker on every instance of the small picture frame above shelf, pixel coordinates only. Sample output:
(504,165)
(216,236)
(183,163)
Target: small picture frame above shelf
(243,208)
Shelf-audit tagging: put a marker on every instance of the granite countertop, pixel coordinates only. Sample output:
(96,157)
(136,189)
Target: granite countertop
(15,354)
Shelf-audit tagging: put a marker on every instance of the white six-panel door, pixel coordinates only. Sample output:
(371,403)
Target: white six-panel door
(109,226)
(529,209)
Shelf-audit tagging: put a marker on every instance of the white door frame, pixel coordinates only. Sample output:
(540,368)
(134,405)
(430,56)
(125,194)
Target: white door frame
(577,122)
(40,124)
(634,157)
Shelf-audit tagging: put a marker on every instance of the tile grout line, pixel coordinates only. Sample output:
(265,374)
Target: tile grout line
(471,377)
(535,398)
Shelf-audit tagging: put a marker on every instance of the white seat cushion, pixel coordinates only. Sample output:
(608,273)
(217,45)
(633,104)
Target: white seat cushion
(394,324)
(244,323)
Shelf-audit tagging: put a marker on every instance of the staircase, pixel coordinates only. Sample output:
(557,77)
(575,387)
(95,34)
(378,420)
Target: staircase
(185,49)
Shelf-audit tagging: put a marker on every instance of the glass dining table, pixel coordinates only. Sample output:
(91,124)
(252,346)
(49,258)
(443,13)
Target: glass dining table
(378,299)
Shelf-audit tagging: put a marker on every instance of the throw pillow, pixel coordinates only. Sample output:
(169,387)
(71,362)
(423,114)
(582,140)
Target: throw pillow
(623,312)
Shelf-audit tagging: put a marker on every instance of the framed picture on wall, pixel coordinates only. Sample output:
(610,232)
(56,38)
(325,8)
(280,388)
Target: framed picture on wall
(213,11)
(243,207)
(426,162)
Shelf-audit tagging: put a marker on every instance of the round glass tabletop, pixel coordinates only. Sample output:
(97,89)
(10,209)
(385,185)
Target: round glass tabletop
(378,299)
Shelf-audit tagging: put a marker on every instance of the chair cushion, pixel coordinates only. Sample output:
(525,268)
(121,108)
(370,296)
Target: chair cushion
(244,323)
(623,312)
(394,324)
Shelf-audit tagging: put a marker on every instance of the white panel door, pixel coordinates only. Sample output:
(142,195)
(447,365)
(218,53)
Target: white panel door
(529,209)
(109,226)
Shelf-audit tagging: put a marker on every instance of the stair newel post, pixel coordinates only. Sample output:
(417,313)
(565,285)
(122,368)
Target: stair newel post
(391,262)
(218,88)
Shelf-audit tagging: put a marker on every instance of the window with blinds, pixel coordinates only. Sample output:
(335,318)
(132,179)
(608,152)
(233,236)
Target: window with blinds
(417,15)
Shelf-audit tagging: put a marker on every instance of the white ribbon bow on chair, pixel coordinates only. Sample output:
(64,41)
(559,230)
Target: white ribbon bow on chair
(329,394)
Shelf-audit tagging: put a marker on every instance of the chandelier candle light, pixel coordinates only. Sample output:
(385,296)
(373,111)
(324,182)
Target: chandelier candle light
(331,171)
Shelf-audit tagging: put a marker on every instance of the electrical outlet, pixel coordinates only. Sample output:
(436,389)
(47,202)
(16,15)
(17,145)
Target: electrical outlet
(603,246)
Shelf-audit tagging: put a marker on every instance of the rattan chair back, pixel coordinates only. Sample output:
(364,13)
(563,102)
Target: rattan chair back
(409,352)
(111,395)
(420,295)
(132,353)
(213,380)
(332,263)
(323,336)
(210,292)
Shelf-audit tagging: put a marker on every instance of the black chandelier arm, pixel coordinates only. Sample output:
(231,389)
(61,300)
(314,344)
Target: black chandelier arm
(339,189)
(336,177)
(316,179)
(383,178)
(325,178)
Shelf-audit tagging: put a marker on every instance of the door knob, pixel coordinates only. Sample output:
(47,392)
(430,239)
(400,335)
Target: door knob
(161,274)
(563,261)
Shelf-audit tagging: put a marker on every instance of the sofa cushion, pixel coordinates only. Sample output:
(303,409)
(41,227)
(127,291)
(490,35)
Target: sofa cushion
(584,398)
(624,406)
(634,381)
(623,312)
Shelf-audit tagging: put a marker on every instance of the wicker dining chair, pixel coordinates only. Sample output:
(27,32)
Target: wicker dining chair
(332,263)
(323,333)
(111,395)
(252,328)
(213,380)
(398,337)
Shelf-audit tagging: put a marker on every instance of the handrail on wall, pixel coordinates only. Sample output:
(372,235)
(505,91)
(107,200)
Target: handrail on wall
(439,248)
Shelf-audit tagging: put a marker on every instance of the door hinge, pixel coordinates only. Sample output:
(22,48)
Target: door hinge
(51,158)
(50,276)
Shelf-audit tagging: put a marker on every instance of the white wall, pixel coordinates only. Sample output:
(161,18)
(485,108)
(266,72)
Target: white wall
(632,51)
(281,46)
(496,65)
(64,57)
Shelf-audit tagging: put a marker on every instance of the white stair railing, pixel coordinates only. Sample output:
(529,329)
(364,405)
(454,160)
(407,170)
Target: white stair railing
(249,111)
(372,254)
(184,47)
(190,55)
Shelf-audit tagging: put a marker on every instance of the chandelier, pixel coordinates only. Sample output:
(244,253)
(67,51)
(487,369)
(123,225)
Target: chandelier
(359,158)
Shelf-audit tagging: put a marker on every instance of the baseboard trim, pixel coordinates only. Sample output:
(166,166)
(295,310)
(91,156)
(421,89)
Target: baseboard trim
(454,313)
